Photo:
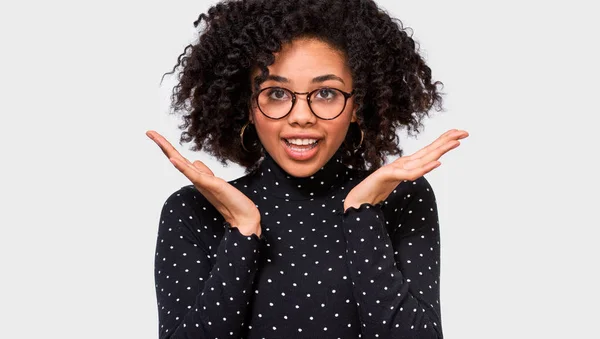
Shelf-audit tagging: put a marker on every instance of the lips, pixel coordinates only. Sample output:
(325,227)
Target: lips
(303,152)
(301,142)
(302,136)
(309,145)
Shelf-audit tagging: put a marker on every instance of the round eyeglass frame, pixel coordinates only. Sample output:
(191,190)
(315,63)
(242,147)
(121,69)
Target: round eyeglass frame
(308,95)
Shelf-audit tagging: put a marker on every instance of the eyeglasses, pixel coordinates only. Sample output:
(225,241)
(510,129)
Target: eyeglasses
(326,103)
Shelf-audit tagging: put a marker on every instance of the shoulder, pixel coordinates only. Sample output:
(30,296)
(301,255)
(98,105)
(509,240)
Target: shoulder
(187,207)
(247,183)
(409,191)
(409,200)
(244,180)
(187,214)
(184,199)
(188,197)
(412,204)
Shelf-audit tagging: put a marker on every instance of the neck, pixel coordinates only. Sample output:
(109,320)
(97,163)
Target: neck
(277,182)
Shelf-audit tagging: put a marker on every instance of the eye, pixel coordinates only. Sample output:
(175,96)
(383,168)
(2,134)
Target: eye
(277,94)
(326,94)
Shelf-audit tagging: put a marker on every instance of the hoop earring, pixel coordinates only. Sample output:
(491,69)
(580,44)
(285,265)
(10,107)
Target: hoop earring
(362,135)
(242,136)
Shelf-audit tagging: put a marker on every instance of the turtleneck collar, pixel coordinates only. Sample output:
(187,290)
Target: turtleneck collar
(275,181)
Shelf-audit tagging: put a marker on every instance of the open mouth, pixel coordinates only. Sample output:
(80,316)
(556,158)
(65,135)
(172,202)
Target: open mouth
(301,149)
(301,145)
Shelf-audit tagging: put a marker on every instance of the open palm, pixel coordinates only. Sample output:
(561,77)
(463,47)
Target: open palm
(234,206)
(379,184)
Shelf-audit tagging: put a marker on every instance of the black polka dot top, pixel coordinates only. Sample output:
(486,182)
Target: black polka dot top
(315,271)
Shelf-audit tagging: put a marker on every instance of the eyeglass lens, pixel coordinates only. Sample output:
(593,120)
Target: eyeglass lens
(326,102)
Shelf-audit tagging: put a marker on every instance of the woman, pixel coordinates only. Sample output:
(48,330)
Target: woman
(309,243)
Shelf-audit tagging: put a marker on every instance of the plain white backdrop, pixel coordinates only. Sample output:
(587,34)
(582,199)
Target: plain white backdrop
(81,186)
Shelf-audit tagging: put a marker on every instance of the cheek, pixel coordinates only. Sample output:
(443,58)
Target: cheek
(343,124)
(267,130)
(336,133)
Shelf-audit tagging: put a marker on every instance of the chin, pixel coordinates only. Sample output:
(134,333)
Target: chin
(301,170)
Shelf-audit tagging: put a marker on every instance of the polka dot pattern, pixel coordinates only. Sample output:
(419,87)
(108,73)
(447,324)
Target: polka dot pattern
(316,271)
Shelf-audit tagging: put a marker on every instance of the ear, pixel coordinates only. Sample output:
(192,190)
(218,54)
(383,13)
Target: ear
(353,115)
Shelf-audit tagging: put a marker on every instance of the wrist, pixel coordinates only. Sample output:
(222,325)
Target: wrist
(348,204)
(248,229)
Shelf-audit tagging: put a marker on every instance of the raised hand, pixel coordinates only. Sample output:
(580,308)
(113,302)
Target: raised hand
(378,186)
(234,206)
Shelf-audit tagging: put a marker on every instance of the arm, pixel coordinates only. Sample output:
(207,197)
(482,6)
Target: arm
(396,277)
(197,299)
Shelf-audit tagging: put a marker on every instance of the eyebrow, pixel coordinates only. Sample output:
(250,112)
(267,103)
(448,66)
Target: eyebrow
(321,78)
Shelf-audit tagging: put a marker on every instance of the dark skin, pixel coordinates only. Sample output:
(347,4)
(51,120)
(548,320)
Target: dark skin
(378,186)
(240,211)
(234,206)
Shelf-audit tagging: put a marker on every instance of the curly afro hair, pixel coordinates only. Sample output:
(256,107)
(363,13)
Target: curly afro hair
(393,84)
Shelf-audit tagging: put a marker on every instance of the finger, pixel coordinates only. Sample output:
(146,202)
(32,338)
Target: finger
(166,146)
(435,144)
(452,134)
(431,156)
(200,166)
(400,173)
(196,177)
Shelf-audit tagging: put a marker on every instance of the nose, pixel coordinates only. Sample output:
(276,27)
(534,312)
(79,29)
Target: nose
(301,114)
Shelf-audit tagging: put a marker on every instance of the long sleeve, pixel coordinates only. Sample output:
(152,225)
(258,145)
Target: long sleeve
(395,274)
(199,296)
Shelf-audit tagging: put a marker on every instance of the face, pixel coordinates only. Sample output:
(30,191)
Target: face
(300,67)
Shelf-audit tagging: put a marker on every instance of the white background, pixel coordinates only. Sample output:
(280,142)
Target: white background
(81,186)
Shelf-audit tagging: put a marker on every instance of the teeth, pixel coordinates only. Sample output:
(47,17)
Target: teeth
(302,141)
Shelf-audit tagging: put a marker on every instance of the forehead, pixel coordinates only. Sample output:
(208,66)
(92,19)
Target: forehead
(303,59)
